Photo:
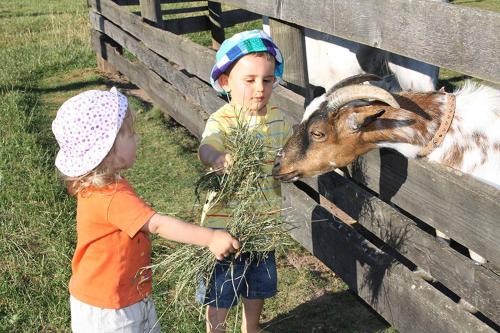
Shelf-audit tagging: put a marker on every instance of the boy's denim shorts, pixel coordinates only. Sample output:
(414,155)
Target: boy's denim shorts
(249,278)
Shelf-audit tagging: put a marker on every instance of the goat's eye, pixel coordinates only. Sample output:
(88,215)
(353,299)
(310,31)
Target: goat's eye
(317,135)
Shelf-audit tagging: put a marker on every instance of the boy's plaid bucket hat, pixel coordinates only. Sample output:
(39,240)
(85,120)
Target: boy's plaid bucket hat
(242,44)
(85,128)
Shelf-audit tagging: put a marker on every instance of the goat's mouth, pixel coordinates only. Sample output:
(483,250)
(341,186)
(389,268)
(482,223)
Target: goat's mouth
(288,177)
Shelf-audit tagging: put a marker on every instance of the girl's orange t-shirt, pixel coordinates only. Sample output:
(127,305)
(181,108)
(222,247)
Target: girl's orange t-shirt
(111,249)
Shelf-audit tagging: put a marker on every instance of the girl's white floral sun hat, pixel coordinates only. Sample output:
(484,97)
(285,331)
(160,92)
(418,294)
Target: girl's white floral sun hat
(85,128)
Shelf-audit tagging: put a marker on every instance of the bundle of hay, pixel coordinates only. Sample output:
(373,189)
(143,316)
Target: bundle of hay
(258,231)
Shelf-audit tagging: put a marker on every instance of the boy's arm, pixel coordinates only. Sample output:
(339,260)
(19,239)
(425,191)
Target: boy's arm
(216,159)
(219,242)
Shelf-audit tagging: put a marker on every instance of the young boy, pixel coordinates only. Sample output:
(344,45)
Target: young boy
(248,66)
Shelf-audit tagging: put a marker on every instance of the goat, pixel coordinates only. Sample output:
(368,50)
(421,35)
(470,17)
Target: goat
(352,119)
(339,58)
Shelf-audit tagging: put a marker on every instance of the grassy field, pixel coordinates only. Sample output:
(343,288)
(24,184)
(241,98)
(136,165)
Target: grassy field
(46,58)
(493,5)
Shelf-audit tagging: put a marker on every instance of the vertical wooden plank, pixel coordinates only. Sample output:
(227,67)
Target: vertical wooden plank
(290,39)
(216,24)
(151,12)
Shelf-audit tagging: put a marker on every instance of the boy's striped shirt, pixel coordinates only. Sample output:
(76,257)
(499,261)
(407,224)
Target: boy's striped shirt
(273,128)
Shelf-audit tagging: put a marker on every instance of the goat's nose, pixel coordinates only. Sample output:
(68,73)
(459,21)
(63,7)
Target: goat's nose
(276,168)
(277,162)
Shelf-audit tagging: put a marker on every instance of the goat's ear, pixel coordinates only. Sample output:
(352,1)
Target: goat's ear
(358,120)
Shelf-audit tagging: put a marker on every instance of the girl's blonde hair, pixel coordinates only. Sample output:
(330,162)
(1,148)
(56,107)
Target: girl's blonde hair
(103,174)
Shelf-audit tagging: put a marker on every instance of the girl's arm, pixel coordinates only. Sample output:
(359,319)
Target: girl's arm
(219,242)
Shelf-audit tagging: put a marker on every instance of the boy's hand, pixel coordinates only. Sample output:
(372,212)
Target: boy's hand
(222,244)
(222,163)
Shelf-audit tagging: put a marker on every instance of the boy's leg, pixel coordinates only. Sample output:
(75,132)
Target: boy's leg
(216,319)
(261,284)
(222,294)
(252,308)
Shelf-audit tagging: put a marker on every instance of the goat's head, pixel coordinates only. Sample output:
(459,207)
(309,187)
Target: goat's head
(331,134)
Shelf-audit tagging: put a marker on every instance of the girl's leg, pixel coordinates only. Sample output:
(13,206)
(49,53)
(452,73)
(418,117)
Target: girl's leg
(216,319)
(252,309)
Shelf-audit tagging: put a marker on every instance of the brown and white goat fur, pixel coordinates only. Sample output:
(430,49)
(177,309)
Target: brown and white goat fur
(332,134)
(326,139)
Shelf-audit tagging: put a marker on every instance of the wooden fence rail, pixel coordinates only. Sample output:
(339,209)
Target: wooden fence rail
(406,301)
(376,255)
(445,35)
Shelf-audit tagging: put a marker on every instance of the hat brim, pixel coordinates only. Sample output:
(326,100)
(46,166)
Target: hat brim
(87,162)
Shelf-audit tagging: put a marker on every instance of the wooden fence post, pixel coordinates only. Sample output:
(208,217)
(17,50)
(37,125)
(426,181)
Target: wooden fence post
(102,57)
(290,39)
(151,12)
(216,24)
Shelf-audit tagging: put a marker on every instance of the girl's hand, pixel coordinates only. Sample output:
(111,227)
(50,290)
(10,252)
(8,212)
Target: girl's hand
(223,162)
(223,244)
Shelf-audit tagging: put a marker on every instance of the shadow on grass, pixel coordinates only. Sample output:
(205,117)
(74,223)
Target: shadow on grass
(9,14)
(331,312)
(59,88)
(69,87)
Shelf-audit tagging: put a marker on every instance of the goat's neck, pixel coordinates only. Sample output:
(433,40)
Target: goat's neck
(411,127)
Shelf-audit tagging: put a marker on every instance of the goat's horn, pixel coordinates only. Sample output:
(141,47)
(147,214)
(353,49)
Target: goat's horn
(344,95)
(356,79)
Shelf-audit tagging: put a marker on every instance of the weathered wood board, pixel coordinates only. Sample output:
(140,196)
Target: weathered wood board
(162,93)
(194,58)
(136,2)
(475,283)
(457,204)
(462,39)
(406,301)
(191,86)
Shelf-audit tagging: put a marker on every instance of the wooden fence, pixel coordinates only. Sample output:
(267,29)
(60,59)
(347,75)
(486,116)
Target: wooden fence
(390,200)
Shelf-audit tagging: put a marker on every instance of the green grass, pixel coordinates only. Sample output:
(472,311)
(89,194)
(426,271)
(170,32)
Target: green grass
(37,228)
(493,5)
(46,58)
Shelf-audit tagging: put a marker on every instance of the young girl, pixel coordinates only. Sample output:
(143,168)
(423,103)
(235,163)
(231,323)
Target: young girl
(247,67)
(110,290)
